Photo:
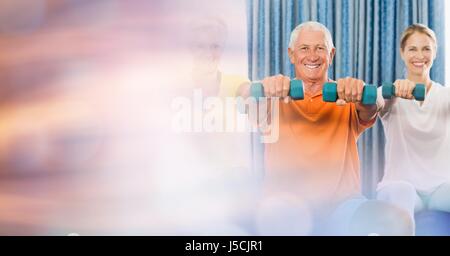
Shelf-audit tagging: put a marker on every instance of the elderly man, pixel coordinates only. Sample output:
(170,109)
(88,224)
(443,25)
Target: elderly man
(315,157)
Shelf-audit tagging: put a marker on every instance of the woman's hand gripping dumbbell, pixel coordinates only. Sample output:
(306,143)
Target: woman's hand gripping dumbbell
(404,89)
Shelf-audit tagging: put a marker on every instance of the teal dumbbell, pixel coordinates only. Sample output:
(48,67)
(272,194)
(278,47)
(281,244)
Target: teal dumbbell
(388,91)
(369,96)
(295,90)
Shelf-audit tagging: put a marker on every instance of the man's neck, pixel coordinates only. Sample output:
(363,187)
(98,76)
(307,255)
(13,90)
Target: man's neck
(314,86)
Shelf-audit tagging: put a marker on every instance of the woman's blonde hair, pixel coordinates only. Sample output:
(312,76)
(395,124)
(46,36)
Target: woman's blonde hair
(419,28)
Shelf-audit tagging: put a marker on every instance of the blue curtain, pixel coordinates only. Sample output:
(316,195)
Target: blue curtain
(366,35)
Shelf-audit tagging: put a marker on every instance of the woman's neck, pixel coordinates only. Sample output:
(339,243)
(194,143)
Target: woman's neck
(420,79)
(208,82)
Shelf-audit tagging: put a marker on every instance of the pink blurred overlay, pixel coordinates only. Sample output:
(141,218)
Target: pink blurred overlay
(85,117)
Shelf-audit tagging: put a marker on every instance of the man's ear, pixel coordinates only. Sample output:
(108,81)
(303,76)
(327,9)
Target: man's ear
(291,55)
(332,54)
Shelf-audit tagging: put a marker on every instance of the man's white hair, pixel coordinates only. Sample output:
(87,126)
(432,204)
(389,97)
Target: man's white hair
(312,26)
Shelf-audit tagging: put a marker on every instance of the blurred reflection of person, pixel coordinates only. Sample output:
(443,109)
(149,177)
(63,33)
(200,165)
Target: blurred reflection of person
(216,171)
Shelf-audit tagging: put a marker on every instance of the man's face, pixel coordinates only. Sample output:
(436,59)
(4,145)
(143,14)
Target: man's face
(311,55)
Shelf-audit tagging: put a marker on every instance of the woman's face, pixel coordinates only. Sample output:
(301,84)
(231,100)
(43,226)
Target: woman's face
(206,48)
(418,54)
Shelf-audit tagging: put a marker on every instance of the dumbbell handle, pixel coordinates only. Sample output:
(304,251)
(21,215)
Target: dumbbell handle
(369,96)
(418,92)
(295,90)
